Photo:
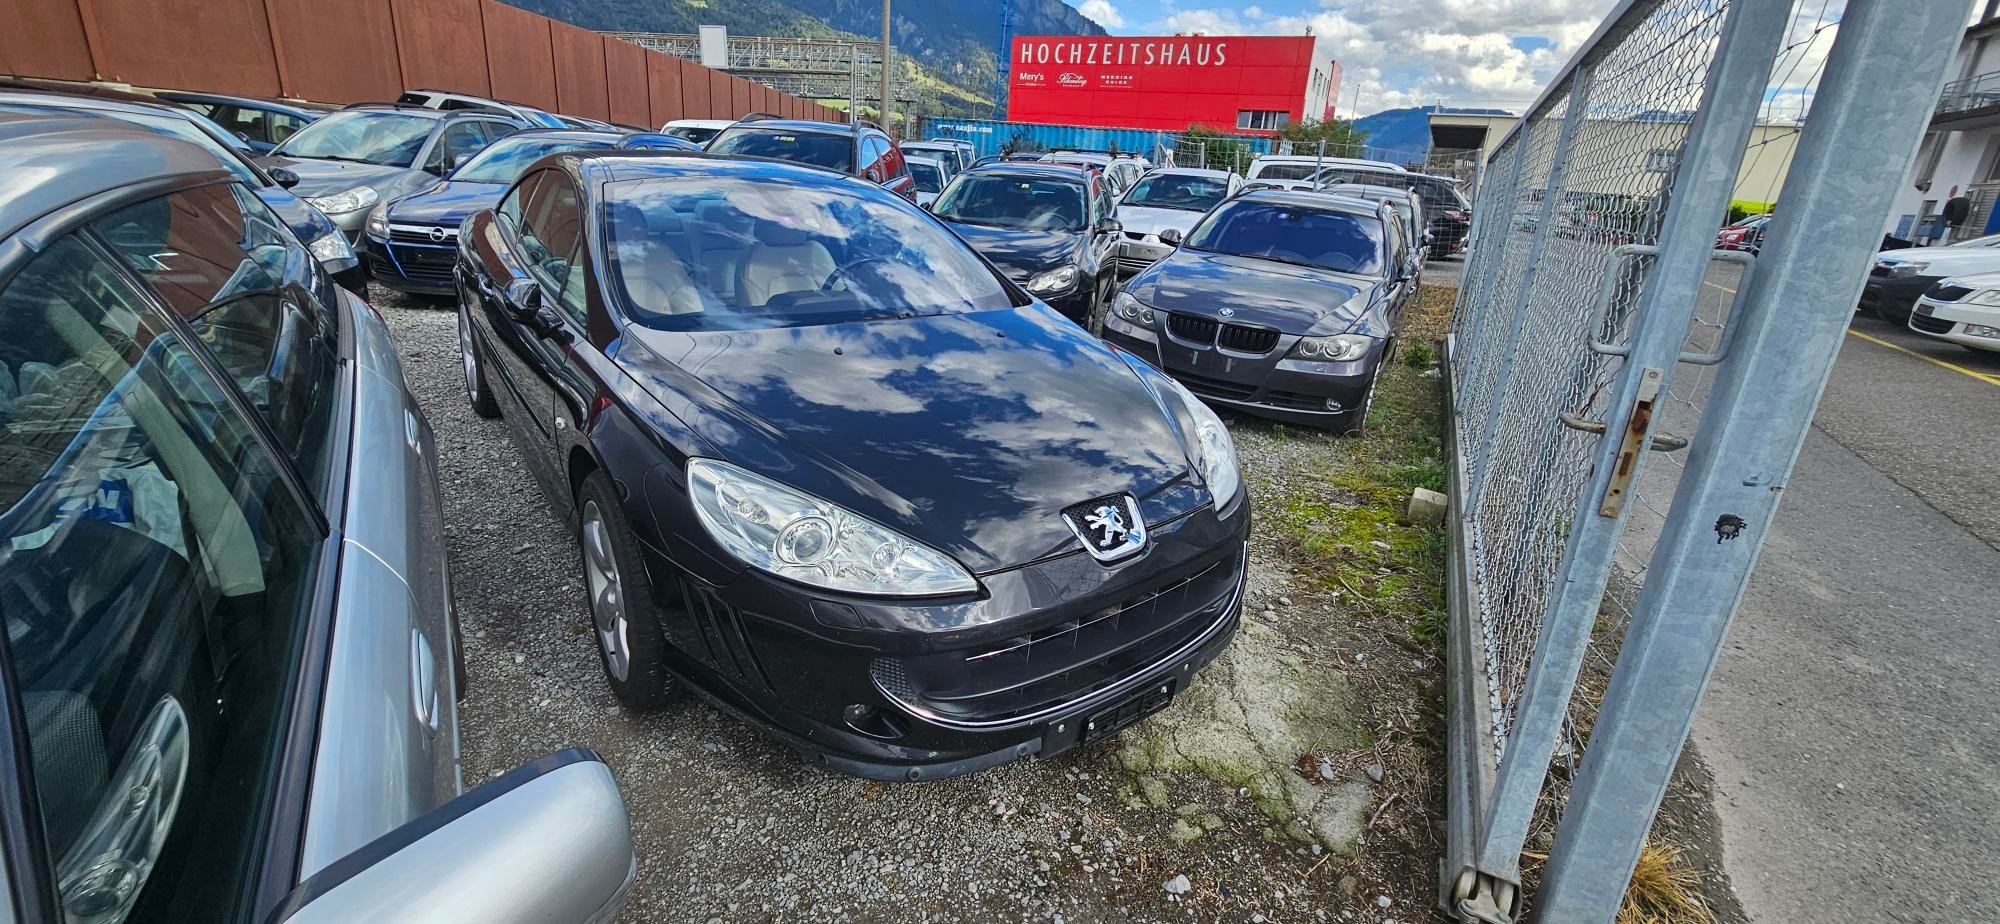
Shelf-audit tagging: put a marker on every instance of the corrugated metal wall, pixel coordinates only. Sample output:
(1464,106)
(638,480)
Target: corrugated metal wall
(361,50)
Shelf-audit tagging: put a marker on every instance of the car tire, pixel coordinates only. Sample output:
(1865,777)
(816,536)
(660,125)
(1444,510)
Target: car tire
(476,391)
(631,644)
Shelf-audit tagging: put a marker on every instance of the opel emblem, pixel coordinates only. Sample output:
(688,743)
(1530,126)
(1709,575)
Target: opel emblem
(1110,527)
(437,234)
(1228,312)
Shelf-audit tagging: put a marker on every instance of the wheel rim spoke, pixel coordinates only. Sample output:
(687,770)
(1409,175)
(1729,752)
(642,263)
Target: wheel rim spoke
(607,600)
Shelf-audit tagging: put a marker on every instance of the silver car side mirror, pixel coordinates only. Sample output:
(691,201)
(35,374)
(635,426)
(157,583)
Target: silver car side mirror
(547,842)
(1171,237)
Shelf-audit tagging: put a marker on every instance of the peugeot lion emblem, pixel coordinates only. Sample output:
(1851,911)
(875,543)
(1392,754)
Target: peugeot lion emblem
(1227,312)
(1109,527)
(437,234)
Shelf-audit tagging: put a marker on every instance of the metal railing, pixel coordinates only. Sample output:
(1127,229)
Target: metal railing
(1602,360)
(1979,91)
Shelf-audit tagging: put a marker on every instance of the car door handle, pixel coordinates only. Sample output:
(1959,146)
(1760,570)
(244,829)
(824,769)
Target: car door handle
(423,682)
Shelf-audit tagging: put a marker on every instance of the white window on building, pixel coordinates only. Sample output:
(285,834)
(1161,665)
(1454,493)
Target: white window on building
(1269,120)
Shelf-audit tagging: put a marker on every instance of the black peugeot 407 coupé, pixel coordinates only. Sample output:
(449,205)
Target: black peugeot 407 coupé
(831,468)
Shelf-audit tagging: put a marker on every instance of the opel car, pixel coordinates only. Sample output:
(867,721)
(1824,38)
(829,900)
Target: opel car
(357,157)
(833,470)
(411,242)
(1050,227)
(229,676)
(1280,304)
(1167,200)
(1962,309)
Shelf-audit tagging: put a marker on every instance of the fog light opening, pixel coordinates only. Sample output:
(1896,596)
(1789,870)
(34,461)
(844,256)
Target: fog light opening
(872,721)
(1335,406)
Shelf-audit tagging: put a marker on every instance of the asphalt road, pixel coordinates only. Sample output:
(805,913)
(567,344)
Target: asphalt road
(1851,722)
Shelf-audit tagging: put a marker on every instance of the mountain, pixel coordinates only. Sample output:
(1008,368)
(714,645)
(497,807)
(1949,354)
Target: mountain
(953,42)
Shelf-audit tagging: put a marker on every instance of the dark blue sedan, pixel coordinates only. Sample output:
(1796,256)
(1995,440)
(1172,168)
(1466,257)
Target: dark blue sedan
(411,242)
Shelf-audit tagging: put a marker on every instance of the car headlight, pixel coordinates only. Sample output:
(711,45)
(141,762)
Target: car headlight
(1337,348)
(1985,297)
(1213,451)
(378,221)
(341,203)
(794,535)
(1904,270)
(1132,310)
(331,247)
(1060,279)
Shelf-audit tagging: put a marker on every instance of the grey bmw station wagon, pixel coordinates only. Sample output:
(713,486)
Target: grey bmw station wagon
(229,673)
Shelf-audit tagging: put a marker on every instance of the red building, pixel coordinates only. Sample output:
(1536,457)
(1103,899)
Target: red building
(1249,83)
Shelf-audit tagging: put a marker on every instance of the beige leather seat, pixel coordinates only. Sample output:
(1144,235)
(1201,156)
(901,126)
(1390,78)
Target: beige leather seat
(655,275)
(783,260)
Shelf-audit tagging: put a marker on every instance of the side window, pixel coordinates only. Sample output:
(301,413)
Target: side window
(221,260)
(551,230)
(510,207)
(283,126)
(459,139)
(494,131)
(157,578)
(248,123)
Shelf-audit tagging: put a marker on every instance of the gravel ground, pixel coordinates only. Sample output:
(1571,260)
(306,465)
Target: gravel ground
(732,826)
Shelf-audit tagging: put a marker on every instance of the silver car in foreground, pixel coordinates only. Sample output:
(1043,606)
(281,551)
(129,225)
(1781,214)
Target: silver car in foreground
(1163,207)
(230,670)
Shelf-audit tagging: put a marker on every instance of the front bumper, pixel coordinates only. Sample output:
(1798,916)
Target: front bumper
(920,690)
(1893,297)
(1976,326)
(1135,255)
(1322,395)
(421,268)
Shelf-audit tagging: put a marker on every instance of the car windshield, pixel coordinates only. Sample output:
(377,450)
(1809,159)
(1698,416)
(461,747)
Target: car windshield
(1013,201)
(728,253)
(1177,191)
(503,160)
(929,178)
(834,151)
(173,126)
(369,136)
(694,133)
(1327,239)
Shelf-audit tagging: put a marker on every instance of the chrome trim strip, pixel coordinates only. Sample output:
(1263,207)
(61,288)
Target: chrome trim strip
(1130,683)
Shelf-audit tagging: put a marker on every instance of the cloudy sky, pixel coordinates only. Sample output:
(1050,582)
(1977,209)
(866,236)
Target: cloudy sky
(1398,52)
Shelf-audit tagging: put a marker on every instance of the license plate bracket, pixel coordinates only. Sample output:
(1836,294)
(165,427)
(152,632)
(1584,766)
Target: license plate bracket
(1151,699)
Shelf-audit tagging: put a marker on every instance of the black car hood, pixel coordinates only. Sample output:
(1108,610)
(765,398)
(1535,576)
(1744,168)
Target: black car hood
(969,433)
(325,177)
(304,220)
(446,202)
(1021,253)
(1292,299)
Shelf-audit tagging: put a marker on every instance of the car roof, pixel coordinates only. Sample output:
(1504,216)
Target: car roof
(306,109)
(924,160)
(1191,171)
(1311,200)
(566,134)
(621,164)
(928,145)
(1045,170)
(87,101)
(805,125)
(1370,190)
(55,160)
(701,123)
(1086,156)
(421,111)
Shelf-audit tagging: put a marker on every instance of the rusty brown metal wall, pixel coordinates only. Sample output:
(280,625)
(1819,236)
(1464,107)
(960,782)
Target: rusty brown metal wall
(518,55)
(147,42)
(345,51)
(340,54)
(626,82)
(663,80)
(579,71)
(440,45)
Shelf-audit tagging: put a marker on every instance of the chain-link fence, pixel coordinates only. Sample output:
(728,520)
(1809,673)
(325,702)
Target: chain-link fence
(1595,320)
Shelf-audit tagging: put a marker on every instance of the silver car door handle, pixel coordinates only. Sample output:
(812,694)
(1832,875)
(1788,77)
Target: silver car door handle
(423,682)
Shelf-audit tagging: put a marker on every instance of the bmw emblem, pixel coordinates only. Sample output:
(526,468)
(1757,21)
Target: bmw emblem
(1228,312)
(437,234)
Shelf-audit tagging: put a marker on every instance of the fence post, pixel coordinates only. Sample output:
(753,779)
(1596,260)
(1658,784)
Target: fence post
(1552,192)
(1878,91)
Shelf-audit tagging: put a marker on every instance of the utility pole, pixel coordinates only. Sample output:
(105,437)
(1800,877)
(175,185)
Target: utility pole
(887,70)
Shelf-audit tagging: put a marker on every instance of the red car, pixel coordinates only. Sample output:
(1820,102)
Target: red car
(1747,234)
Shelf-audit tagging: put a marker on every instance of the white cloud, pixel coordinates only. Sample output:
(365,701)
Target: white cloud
(1411,52)
(1102,11)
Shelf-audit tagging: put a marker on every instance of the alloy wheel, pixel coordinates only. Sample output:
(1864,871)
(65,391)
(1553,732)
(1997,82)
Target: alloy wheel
(607,592)
(467,359)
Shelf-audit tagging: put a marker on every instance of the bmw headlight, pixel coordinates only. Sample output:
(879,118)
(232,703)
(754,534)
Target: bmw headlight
(1060,279)
(341,203)
(1337,348)
(1214,453)
(1985,297)
(794,535)
(331,247)
(1132,310)
(1905,270)
(378,221)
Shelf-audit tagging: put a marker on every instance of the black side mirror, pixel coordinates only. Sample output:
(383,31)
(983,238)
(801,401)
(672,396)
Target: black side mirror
(1109,226)
(283,176)
(1171,237)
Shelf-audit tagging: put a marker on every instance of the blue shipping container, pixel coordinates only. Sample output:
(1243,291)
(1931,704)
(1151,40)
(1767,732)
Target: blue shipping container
(988,137)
